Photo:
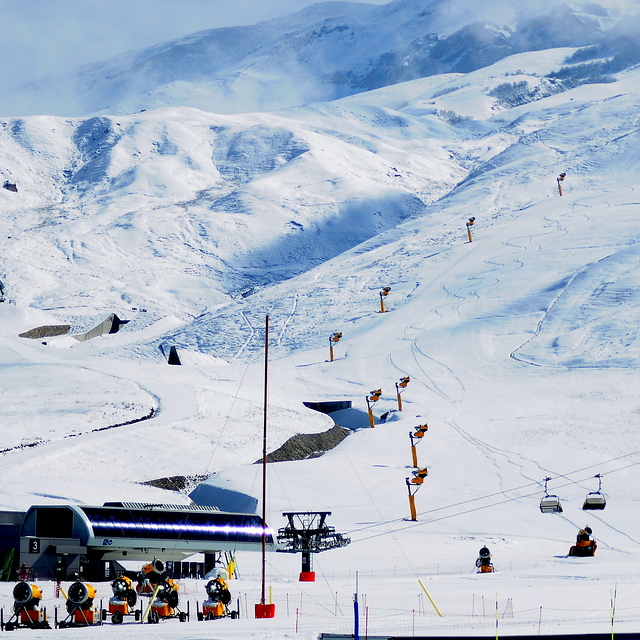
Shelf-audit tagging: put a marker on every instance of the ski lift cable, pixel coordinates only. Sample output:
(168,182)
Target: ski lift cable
(355,471)
(479,508)
(274,570)
(334,593)
(227,417)
(451,506)
(298,370)
(445,517)
(283,488)
(518,497)
(467,511)
(505,491)
(606,524)
(373,502)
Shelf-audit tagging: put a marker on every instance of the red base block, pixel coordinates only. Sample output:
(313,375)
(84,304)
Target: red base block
(265,611)
(307,576)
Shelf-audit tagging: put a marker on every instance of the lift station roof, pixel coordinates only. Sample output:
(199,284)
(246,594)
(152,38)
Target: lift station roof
(173,530)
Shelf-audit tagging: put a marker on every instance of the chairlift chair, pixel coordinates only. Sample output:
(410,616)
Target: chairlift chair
(595,499)
(550,503)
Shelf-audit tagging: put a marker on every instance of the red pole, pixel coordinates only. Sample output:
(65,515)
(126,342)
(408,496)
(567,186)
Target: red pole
(264,465)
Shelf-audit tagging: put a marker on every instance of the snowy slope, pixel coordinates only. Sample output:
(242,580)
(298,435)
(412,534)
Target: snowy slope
(522,346)
(208,202)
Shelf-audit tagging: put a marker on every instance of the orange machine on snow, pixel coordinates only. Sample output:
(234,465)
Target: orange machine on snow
(217,604)
(80,608)
(26,608)
(123,601)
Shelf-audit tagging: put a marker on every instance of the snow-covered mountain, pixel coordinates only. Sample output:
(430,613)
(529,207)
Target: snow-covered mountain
(522,346)
(326,51)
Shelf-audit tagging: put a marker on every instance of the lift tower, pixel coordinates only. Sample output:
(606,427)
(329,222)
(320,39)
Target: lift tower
(307,532)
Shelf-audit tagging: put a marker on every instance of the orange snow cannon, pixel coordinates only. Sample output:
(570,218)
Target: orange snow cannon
(420,430)
(419,476)
(216,605)
(80,607)
(415,438)
(123,601)
(483,562)
(26,608)
(560,179)
(333,340)
(165,604)
(371,399)
(383,294)
(400,387)
(470,222)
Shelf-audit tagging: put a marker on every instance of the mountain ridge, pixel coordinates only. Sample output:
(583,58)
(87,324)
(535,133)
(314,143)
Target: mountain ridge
(324,52)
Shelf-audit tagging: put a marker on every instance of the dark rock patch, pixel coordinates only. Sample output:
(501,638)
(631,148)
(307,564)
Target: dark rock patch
(304,446)
(46,332)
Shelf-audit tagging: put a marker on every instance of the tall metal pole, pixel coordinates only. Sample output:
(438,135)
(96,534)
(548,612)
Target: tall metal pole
(356,613)
(264,463)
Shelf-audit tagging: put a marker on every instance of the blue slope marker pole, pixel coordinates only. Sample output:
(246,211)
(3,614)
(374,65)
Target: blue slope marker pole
(356,614)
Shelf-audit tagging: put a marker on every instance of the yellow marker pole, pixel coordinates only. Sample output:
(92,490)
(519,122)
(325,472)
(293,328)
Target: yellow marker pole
(412,507)
(430,599)
(153,599)
(470,223)
(270,594)
(375,396)
(559,187)
(333,339)
(231,568)
(383,294)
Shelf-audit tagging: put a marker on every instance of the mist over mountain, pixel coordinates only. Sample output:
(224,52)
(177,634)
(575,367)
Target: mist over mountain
(326,51)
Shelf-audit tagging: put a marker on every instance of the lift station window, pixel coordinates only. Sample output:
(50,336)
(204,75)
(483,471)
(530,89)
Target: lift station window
(54,523)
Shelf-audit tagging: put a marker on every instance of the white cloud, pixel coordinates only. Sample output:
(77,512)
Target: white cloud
(40,37)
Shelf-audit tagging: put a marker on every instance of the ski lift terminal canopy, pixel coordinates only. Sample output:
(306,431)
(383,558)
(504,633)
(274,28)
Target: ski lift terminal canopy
(170,531)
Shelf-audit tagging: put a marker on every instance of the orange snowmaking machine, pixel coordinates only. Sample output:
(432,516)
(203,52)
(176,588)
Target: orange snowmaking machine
(26,609)
(217,604)
(80,606)
(123,601)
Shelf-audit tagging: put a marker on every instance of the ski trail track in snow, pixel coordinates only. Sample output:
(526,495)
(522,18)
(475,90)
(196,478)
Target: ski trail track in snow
(172,402)
(450,307)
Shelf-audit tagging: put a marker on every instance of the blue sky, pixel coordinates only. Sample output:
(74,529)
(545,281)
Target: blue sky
(39,37)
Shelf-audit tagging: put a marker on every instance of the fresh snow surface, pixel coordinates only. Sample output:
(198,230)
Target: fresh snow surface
(522,346)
